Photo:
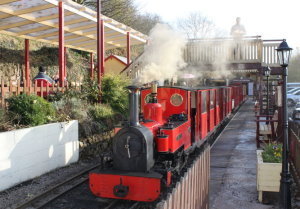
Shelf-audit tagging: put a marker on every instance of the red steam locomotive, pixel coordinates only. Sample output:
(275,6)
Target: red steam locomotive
(155,144)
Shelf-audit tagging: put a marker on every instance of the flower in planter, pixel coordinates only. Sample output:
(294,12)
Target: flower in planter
(272,153)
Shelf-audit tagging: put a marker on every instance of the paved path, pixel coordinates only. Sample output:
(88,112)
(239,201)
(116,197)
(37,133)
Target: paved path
(233,164)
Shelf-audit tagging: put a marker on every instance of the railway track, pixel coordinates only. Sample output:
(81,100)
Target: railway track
(118,204)
(45,198)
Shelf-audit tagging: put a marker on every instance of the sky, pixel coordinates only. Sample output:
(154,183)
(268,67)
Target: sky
(271,19)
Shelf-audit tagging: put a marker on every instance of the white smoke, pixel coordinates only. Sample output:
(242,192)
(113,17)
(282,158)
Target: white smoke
(213,57)
(162,57)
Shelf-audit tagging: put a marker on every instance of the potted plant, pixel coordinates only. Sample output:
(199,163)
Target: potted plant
(268,169)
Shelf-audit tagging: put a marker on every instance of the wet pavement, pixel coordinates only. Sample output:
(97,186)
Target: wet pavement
(233,164)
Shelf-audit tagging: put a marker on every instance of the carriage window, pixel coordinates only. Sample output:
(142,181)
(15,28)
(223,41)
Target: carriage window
(176,99)
(203,102)
(212,99)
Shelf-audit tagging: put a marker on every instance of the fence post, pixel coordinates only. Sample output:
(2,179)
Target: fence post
(2,93)
(35,87)
(18,87)
(47,90)
(10,90)
(42,90)
(259,50)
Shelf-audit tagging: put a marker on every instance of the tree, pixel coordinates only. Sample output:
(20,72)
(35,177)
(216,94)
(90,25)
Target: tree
(119,10)
(126,12)
(144,23)
(196,26)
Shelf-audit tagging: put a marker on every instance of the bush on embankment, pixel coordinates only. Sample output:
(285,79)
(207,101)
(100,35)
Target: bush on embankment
(30,110)
(115,94)
(81,104)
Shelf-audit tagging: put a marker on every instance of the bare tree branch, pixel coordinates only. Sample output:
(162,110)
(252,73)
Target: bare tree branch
(195,25)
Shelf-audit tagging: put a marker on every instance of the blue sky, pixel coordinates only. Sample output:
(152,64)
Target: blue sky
(260,17)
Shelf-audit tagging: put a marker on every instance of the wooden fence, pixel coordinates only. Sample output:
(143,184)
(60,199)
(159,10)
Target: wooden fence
(11,88)
(248,50)
(192,191)
(222,51)
(294,152)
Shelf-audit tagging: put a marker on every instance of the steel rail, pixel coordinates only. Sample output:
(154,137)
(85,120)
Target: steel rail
(62,193)
(38,197)
(136,204)
(111,204)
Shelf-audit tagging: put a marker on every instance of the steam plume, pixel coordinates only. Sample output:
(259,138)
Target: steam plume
(163,56)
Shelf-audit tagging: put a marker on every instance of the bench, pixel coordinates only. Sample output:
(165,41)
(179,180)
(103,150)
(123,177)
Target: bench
(266,126)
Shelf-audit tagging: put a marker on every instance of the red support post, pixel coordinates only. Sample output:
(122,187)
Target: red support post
(128,48)
(99,43)
(102,47)
(27,65)
(100,50)
(61,53)
(92,65)
(65,65)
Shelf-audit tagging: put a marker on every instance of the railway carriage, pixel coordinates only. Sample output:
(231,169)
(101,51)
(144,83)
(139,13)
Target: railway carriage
(166,124)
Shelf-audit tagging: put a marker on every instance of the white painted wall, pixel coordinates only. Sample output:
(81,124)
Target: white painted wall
(30,152)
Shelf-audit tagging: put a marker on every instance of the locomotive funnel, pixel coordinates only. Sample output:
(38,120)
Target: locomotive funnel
(154,91)
(154,87)
(134,105)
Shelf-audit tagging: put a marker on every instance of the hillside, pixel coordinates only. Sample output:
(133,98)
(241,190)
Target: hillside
(41,54)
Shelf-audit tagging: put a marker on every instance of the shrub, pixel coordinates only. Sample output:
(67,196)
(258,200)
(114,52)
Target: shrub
(101,112)
(55,96)
(272,153)
(114,93)
(69,108)
(2,114)
(100,119)
(103,115)
(90,91)
(30,110)
(5,121)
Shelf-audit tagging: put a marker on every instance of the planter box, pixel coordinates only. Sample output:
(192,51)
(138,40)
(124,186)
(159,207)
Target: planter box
(30,152)
(267,176)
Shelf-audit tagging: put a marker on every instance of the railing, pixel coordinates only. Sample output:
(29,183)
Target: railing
(12,88)
(250,49)
(228,50)
(192,191)
(211,51)
(269,56)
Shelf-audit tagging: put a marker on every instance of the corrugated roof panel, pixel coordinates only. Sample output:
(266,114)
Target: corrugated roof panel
(38,20)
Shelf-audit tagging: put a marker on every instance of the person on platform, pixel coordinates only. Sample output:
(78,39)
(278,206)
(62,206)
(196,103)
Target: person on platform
(42,77)
(237,32)
(43,80)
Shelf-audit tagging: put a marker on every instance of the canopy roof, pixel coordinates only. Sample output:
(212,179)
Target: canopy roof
(38,20)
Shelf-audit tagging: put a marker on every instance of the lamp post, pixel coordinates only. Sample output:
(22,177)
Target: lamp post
(284,52)
(267,73)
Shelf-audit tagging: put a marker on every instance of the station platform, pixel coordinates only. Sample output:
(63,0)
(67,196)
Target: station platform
(233,164)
